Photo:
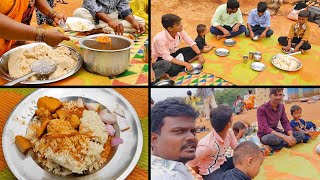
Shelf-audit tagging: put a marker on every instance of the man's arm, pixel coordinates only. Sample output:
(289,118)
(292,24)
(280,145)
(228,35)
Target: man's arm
(284,120)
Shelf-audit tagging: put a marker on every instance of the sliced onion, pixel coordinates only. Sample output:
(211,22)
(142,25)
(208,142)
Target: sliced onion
(110,130)
(116,141)
(122,123)
(119,111)
(80,103)
(108,118)
(92,106)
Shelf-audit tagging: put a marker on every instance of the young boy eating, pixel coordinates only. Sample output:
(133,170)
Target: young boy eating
(202,30)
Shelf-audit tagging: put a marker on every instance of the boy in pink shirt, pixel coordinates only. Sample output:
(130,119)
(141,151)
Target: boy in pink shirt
(210,160)
(165,46)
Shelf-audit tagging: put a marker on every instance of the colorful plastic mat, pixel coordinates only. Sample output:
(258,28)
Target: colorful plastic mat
(232,68)
(202,79)
(137,97)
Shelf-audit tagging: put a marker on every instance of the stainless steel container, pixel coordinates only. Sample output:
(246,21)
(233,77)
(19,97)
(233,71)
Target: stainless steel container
(251,55)
(257,56)
(101,59)
(145,52)
(245,59)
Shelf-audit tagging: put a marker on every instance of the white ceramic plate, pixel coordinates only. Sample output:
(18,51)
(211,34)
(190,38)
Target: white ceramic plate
(123,161)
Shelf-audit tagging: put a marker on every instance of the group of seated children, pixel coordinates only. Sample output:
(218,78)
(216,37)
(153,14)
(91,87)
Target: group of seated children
(227,22)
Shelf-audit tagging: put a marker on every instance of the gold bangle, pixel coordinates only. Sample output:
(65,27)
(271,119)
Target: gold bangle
(40,34)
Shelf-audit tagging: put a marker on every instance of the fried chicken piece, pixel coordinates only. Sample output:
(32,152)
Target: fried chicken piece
(58,126)
(22,143)
(41,129)
(62,114)
(49,103)
(74,121)
(43,114)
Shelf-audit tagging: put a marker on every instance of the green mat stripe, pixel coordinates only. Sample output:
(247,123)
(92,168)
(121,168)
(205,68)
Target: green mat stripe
(143,161)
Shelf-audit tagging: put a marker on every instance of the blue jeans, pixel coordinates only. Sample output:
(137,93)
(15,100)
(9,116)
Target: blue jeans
(216,31)
(258,30)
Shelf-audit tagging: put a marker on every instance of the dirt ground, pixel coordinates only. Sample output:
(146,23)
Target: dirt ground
(309,112)
(201,11)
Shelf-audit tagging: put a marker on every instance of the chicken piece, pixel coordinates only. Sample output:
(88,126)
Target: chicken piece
(63,115)
(54,116)
(49,103)
(23,144)
(43,114)
(58,127)
(41,129)
(74,121)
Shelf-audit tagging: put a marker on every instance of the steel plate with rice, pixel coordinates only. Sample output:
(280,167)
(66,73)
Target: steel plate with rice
(72,133)
(286,63)
(16,62)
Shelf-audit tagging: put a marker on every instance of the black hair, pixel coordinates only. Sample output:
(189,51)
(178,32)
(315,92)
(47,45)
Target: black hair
(201,28)
(152,102)
(303,13)
(220,117)
(262,7)
(169,108)
(274,91)
(233,4)
(237,126)
(169,20)
(244,149)
(189,93)
(294,108)
(250,91)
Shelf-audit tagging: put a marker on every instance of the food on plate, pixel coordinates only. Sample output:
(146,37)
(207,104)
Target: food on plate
(130,36)
(66,138)
(23,144)
(20,61)
(286,63)
(77,26)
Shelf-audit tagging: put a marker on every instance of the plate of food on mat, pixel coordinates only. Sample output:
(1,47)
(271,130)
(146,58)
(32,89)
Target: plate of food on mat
(286,63)
(72,133)
(17,62)
(76,24)
(222,52)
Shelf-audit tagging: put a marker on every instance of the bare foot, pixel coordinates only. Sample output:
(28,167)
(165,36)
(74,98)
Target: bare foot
(219,37)
(164,75)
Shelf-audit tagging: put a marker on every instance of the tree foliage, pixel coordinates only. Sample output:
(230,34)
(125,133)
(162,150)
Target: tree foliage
(228,96)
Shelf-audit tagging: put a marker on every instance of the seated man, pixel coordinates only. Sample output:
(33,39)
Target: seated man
(259,22)
(227,20)
(173,139)
(210,161)
(269,115)
(165,45)
(110,15)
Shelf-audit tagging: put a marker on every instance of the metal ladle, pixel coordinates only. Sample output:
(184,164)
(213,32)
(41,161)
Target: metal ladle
(42,67)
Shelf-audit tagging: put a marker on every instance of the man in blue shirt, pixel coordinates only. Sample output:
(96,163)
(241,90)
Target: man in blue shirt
(259,22)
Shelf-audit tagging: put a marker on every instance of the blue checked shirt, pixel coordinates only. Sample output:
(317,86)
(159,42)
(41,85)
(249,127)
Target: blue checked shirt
(108,7)
(255,19)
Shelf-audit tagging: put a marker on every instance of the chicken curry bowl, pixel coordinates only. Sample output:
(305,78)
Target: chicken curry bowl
(72,136)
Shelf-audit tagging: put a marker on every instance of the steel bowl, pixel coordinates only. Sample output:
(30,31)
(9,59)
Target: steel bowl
(106,61)
(229,42)
(167,82)
(4,72)
(222,52)
(258,66)
(197,69)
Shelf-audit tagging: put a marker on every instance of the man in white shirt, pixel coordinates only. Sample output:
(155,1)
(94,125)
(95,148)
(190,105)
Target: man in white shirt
(173,139)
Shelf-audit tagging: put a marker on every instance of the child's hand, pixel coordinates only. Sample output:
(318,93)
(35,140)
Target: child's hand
(296,49)
(189,67)
(263,35)
(287,48)
(251,34)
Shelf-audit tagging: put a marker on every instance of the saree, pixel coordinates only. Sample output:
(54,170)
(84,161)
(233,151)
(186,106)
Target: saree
(18,10)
